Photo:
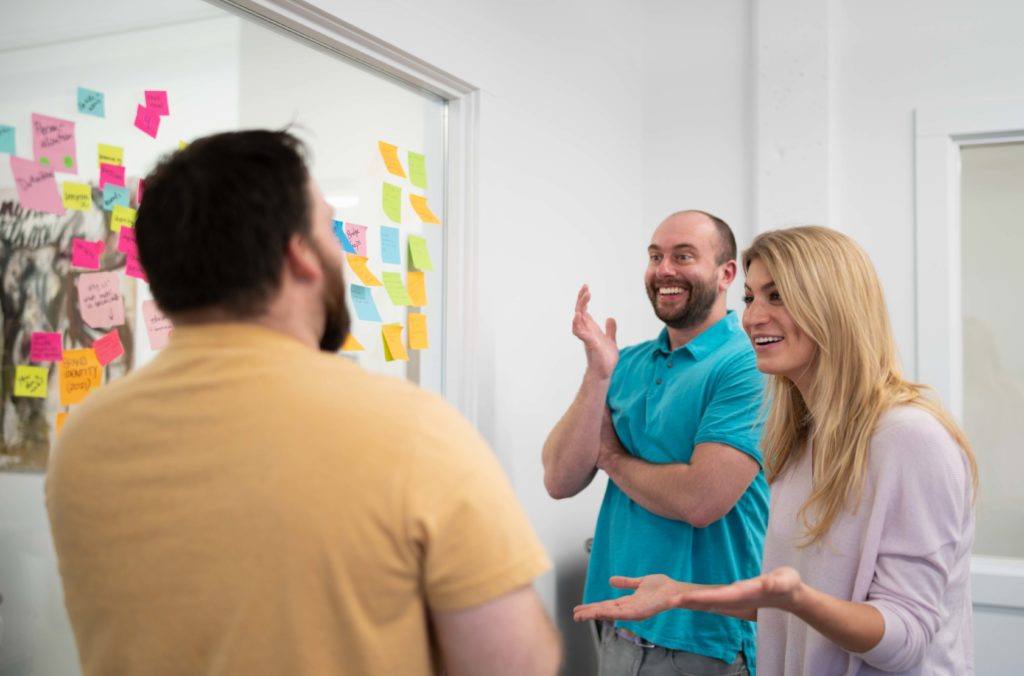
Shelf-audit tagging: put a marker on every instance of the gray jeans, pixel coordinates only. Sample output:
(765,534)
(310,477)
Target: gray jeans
(621,657)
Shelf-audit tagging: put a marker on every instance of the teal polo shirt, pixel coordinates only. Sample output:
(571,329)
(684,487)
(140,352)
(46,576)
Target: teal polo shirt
(663,403)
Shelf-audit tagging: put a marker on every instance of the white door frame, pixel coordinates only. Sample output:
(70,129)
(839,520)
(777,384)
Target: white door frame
(940,132)
(460,344)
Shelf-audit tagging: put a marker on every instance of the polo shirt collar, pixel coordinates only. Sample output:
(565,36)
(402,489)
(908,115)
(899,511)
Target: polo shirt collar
(705,343)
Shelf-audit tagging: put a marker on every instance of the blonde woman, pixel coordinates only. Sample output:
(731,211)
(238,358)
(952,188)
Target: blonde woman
(866,558)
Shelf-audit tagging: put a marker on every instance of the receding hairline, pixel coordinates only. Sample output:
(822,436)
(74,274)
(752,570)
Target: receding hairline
(725,249)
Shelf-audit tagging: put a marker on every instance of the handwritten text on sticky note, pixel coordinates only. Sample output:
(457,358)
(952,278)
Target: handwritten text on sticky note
(86,254)
(76,196)
(147,121)
(99,299)
(90,102)
(53,143)
(37,189)
(158,326)
(80,374)
(30,381)
(108,347)
(46,346)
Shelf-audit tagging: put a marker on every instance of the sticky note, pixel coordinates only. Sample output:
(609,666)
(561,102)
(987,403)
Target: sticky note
(108,348)
(158,326)
(138,193)
(366,309)
(339,232)
(417,288)
(419,205)
(108,154)
(147,121)
(419,253)
(418,170)
(53,143)
(126,242)
(389,250)
(394,348)
(390,154)
(156,101)
(61,419)
(86,254)
(90,102)
(181,144)
(112,174)
(391,200)
(395,288)
(351,344)
(30,381)
(358,265)
(419,338)
(357,237)
(76,196)
(133,267)
(37,189)
(99,299)
(6,139)
(115,196)
(46,346)
(122,217)
(80,374)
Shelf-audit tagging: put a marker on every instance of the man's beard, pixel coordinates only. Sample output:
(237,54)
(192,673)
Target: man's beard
(336,319)
(701,297)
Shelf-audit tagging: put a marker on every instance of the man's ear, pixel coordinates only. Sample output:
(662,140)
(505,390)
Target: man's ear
(300,258)
(728,275)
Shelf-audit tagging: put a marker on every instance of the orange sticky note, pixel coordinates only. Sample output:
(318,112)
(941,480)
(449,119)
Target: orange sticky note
(61,419)
(418,336)
(390,154)
(417,288)
(358,265)
(80,374)
(419,205)
(351,344)
(394,348)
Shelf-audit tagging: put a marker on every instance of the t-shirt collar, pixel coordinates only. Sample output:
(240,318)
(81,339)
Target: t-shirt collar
(706,342)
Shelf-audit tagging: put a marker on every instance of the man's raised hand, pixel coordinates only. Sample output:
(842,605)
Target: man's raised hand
(601,348)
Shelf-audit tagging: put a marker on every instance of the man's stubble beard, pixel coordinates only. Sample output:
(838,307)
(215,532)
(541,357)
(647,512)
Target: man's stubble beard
(699,303)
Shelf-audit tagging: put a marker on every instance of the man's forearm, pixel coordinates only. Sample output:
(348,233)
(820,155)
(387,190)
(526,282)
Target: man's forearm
(570,452)
(663,489)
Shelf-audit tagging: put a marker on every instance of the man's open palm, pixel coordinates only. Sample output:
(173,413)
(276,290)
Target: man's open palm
(601,348)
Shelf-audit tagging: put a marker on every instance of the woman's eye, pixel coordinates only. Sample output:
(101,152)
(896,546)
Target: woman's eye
(747,300)
(774,296)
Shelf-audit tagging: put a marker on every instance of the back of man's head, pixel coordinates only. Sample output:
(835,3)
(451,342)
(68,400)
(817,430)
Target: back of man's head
(216,220)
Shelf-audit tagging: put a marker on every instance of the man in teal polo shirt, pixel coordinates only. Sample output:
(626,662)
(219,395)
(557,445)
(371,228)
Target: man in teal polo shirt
(674,422)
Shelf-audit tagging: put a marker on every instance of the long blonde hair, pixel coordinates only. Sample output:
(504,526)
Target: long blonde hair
(832,292)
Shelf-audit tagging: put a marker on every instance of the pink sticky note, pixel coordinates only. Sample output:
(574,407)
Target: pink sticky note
(133,267)
(86,254)
(111,173)
(37,189)
(156,100)
(147,120)
(53,143)
(138,198)
(99,299)
(357,237)
(126,242)
(108,347)
(46,347)
(158,326)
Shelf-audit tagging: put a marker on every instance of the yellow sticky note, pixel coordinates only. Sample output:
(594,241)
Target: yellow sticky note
(110,154)
(181,145)
(418,336)
(419,205)
(394,349)
(351,344)
(122,217)
(61,419)
(30,381)
(417,288)
(77,196)
(358,265)
(418,170)
(391,201)
(80,374)
(390,155)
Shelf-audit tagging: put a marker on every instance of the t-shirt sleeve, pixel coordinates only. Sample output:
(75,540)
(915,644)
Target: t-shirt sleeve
(733,415)
(472,536)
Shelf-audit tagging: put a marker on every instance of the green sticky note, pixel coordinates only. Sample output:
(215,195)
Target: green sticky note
(418,169)
(419,254)
(392,201)
(395,288)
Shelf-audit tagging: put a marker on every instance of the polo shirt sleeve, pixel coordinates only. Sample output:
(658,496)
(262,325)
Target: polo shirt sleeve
(733,415)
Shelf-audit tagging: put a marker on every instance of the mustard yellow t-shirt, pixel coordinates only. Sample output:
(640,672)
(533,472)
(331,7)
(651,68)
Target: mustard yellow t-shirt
(247,505)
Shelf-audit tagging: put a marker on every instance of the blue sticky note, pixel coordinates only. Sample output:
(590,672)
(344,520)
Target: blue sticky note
(339,232)
(366,309)
(389,250)
(90,102)
(115,195)
(6,139)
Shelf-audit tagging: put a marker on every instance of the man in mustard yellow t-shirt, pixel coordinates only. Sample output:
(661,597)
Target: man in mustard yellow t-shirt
(251,503)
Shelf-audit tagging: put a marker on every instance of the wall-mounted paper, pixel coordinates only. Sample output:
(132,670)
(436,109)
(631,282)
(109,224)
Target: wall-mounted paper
(30,381)
(362,299)
(61,419)
(390,252)
(111,174)
(108,154)
(358,265)
(391,200)
(419,338)
(394,348)
(37,189)
(390,154)
(418,170)
(146,120)
(357,237)
(76,196)
(46,346)
(80,374)
(351,344)
(156,101)
(122,217)
(133,267)
(115,196)
(99,299)
(419,205)
(86,254)
(53,143)
(158,326)
(90,102)
(108,348)
(417,288)
(7,139)
(395,288)
(126,242)
(419,253)
(339,232)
